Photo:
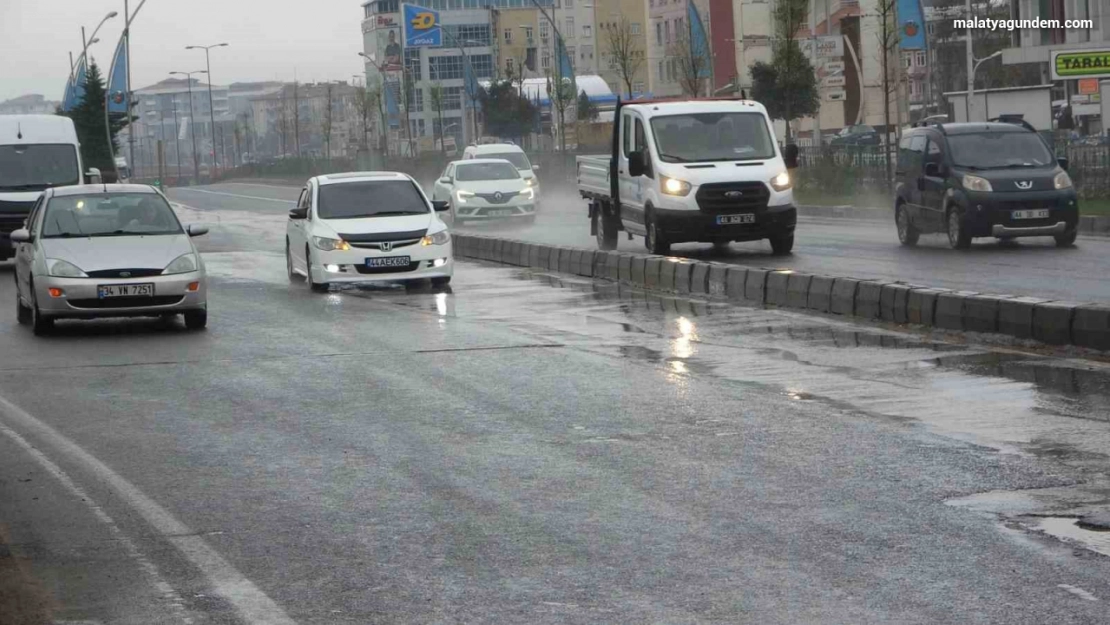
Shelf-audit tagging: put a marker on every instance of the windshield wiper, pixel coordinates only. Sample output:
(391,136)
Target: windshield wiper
(394,213)
(26,187)
(677,159)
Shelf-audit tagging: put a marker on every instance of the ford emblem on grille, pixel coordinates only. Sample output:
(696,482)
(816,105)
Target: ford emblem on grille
(497,196)
(125,274)
(734,195)
(386,246)
(1024,185)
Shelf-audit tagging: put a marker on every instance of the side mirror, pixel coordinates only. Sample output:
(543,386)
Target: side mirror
(932,170)
(446,180)
(440,206)
(636,164)
(298,213)
(535,167)
(1063,161)
(22,235)
(93,175)
(196,230)
(790,156)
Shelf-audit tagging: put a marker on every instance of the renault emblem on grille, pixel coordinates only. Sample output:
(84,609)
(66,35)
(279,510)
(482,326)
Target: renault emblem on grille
(734,195)
(1024,184)
(498,197)
(386,246)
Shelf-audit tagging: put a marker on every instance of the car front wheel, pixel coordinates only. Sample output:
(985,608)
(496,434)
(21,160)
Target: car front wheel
(196,319)
(1067,239)
(40,325)
(957,235)
(312,284)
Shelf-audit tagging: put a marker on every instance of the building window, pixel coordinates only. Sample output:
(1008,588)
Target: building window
(637,87)
(528,34)
(469,35)
(452,98)
(634,28)
(417,127)
(545,31)
(919,58)
(545,60)
(587,31)
(667,30)
(482,64)
(445,67)
(509,66)
(416,98)
(907,60)
(587,53)
(412,63)
(570,26)
(679,27)
(660,73)
(659,33)
(571,53)
(509,36)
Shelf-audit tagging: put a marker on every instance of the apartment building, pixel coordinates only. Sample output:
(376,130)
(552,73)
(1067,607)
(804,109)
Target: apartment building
(611,18)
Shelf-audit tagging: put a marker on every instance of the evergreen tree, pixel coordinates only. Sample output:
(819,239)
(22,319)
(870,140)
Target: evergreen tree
(88,118)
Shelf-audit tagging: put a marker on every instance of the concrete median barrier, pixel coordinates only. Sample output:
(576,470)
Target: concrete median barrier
(797,290)
(1090,327)
(843,300)
(1052,322)
(699,279)
(777,284)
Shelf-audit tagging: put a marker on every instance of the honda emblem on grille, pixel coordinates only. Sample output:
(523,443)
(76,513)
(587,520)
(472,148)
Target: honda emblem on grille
(386,246)
(498,197)
(734,195)
(1025,185)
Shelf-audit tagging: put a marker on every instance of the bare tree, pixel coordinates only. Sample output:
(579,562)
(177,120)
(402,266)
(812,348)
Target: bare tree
(888,37)
(560,90)
(438,100)
(365,105)
(626,54)
(297,118)
(789,17)
(283,120)
(329,118)
(691,65)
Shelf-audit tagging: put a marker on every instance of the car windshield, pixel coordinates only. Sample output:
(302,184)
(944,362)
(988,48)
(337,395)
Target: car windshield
(486,171)
(998,150)
(703,137)
(108,214)
(36,167)
(373,198)
(518,159)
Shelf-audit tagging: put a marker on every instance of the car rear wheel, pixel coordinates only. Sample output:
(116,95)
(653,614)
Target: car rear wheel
(196,319)
(957,235)
(606,229)
(907,233)
(782,245)
(1067,239)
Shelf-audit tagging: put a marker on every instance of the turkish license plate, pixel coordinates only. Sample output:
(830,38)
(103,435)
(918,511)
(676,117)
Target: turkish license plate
(389,261)
(125,290)
(746,218)
(1038,213)
(502,213)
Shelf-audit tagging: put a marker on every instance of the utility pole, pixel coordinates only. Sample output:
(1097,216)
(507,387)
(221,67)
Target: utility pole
(970,62)
(813,61)
(176,139)
(192,119)
(211,107)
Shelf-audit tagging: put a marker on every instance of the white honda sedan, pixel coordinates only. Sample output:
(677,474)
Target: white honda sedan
(367,227)
(482,189)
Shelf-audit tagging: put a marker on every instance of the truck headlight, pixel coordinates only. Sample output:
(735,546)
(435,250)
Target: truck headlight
(463,196)
(64,269)
(673,186)
(330,245)
(781,182)
(975,183)
(1062,181)
(438,238)
(182,264)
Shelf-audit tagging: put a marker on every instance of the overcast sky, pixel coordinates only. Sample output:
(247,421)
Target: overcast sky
(319,39)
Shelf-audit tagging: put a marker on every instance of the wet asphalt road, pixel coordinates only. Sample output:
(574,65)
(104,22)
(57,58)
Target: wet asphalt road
(837,247)
(530,448)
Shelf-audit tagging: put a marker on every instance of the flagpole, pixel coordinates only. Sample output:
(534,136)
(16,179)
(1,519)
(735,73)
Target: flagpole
(127,17)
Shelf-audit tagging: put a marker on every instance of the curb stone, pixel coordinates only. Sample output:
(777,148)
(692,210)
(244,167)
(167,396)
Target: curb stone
(843,301)
(820,294)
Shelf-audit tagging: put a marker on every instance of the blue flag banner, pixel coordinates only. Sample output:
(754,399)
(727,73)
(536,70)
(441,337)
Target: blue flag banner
(67,99)
(566,66)
(911,25)
(471,86)
(77,92)
(392,105)
(116,97)
(422,27)
(699,41)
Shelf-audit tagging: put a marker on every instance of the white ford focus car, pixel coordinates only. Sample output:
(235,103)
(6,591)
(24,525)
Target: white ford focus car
(367,227)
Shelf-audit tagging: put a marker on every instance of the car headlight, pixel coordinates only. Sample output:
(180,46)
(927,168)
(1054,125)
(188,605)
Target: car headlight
(463,195)
(1062,181)
(64,269)
(182,264)
(330,245)
(781,182)
(975,183)
(529,193)
(438,238)
(530,182)
(672,186)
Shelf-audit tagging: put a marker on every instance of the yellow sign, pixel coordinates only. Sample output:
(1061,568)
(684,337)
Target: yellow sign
(1086,64)
(423,21)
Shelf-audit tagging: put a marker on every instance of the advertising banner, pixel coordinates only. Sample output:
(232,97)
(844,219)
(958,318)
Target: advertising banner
(422,27)
(911,24)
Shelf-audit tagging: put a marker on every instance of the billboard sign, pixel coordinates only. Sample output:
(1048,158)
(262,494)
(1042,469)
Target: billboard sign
(422,27)
(828,47)
(911,25)
(1068,65)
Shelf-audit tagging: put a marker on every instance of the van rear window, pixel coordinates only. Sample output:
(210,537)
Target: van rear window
(36,167)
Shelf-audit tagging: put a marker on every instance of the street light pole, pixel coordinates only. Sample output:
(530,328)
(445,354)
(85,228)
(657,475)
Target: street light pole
(192,120)
(971,82)
(211,107)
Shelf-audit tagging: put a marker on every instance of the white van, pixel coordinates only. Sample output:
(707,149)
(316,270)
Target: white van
(511,153)
(36,152)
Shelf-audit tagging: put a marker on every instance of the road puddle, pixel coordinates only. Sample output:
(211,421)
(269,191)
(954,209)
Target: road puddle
(1069,531)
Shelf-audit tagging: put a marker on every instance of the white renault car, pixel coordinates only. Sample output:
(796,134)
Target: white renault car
(484,189)
(513,154)
(367,227)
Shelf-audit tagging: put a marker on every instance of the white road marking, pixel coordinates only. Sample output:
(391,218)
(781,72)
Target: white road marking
(245,197)
(1078,592)
(251,603)
(168,593)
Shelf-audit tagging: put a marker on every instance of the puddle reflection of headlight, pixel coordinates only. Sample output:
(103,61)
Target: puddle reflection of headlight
(678,366)
(441,304)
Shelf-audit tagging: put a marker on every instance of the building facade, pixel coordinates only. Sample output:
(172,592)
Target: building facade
(31,104)
(611,17)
